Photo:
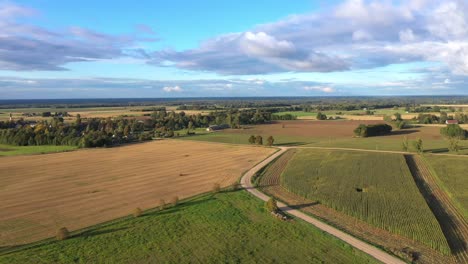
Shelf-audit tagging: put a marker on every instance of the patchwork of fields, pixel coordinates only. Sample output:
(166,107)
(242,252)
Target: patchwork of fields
(82,188)
(333,134)
(377,189)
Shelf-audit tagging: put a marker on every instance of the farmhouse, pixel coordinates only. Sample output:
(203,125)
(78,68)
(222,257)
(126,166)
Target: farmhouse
(217,127)
(451,122)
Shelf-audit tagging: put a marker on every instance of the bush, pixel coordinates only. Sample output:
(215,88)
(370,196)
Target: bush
(321,116)
(175,200)
(372,130)
(162,204)
(270,141)
(454,131)
(259,140)
(137,212)
(216,188)
(271,205)
(252,139)
(62,233)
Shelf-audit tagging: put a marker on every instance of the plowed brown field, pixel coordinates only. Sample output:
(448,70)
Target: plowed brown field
(41,193)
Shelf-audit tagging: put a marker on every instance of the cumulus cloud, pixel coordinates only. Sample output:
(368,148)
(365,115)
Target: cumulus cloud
(25,47)
(171,89)
(355,34)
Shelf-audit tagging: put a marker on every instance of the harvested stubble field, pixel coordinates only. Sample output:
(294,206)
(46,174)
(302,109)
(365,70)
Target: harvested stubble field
(77,189)
(376,188)
(269,182)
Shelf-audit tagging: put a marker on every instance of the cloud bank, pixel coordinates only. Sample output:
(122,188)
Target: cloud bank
(25,47)
(356,34)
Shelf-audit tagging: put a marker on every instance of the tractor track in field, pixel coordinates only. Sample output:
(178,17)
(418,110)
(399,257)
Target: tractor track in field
(453,224)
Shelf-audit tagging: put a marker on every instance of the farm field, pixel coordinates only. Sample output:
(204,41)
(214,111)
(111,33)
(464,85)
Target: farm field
(367,186)
(332,134)
(231,227)
(268,180)
(87,112)
(9,150)
(356,114)
(86,187)
(451,172)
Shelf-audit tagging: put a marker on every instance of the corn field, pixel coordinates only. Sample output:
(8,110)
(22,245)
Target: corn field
(376,188)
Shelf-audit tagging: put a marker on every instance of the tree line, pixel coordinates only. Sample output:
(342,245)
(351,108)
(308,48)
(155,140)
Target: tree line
(100,132)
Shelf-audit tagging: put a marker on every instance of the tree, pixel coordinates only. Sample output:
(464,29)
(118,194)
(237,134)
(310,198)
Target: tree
(418,145)
(62,234)
(162,204)
(216,188)
(454,131)
(270,141)
(252,139)
(454,145)
(398,117)
(190,125)
(137,212)
(175,200)
(259,140)
(436,108)
(404,145)
(321,116)
(78,120)
(271,205)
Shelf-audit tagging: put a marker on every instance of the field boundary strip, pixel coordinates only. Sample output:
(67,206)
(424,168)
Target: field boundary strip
(453,224)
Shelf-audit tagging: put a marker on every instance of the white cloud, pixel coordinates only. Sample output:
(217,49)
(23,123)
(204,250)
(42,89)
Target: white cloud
(170,89)
(407,35)
(263,45)
(356,34)
(324,89)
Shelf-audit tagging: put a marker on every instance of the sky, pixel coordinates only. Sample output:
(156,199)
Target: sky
(203,48)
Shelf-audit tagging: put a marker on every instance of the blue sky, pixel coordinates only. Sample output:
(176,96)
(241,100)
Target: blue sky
(88,49)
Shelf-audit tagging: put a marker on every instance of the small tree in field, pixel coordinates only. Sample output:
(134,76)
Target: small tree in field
(175,200)
(162,204)
(404,145)
(271,205)
(454,145)
(216,188)
(252,139)
(137,212)
(259,140)
(62,233)
(270,141)
(418,145)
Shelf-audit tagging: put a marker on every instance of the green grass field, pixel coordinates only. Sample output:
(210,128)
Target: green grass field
(228,227)
(376,188)
(452,175)
(373,143)
(9,150)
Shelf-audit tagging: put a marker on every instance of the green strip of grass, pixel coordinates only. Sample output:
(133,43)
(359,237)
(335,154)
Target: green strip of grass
(9,150)
(451,173)
(230,227)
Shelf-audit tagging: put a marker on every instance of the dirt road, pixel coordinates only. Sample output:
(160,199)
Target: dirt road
(378,254)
